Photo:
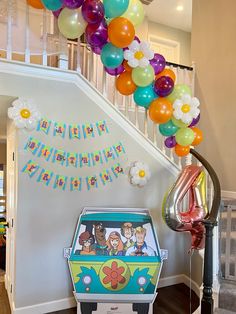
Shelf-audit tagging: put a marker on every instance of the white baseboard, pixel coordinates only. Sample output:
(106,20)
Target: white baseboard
(48,307)
(228,194)
(182,278)
(70,302)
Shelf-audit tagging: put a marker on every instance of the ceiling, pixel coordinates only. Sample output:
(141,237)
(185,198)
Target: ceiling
(165,12)
(5,102)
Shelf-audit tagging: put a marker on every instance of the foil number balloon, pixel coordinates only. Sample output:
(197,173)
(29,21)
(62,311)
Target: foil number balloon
(191,180)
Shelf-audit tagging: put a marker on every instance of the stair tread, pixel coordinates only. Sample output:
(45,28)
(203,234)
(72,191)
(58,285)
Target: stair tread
(222,311)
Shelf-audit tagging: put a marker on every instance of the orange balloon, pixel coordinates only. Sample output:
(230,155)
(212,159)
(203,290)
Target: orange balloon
(160,110)
(198,136)
(182,151)
(125,84)
(126,66)
(121,32)
(167,72)
(37,4)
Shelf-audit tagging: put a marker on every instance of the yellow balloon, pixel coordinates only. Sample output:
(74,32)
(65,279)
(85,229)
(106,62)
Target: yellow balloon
(135,12)
(71,23)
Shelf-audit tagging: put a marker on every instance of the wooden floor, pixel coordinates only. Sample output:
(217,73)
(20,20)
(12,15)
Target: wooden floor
(4,304)
(170,300)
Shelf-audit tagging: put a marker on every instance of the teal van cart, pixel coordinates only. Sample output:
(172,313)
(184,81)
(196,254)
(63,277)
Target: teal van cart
(115,258)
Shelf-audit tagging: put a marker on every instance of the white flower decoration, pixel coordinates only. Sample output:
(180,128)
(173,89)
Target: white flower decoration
(24,113)
(139,174)
(186,108)
(138,54)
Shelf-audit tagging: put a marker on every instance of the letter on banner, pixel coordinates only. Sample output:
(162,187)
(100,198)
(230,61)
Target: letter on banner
(44,125)
(59,157)
(119,149)
(72,160)
(60,182)
(117,170)
(30,168)
(92,182)
(45,151)
(32,145)
(97,158)
(59,129)
(102,127)
(105,177)
(84,159)
(45,177)
(88,130)
(75,184)
(74,131)
(108,154)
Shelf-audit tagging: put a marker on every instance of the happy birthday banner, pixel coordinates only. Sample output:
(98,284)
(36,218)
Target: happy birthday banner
(61,182)
(73,159)
(75,131)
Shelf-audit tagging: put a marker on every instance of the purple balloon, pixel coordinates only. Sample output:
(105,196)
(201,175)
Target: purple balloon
(57,12)
(114,72)
(73,4)
(93,11)
(158,63)
(195,121)
(163,86)
(96,50)
(170,142)
(96,34)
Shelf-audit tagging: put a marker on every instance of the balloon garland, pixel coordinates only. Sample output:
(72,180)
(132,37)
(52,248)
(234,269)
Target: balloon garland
(109,28)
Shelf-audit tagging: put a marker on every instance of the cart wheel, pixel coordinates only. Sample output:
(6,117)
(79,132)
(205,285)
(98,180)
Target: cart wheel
(88,308)
(141,308)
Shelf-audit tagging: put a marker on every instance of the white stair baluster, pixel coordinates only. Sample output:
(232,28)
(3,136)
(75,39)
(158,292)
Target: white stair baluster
(9,30)
(104,83)
(154,133)
(146,122)
(27,50)
(136,116)
(78,61)
(45,57)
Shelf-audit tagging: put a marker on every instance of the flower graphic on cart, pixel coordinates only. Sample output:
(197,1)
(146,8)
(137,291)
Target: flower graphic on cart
(114,275)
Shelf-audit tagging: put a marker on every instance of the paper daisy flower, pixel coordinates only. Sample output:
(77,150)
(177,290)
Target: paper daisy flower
(186,108)
(138,54)
(139,174)
(24,113)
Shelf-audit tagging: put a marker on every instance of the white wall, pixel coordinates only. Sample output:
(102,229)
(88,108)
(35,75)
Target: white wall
(183,38)
(46,218)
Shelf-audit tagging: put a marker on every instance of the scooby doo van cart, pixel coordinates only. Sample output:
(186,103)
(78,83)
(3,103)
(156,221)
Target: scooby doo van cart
(115,258)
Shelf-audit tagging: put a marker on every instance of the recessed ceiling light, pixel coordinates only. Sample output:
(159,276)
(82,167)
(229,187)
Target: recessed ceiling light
(179,8)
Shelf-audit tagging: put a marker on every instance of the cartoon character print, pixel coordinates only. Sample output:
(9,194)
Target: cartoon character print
(115,244)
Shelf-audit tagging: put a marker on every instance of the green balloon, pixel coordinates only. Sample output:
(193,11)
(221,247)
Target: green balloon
(179,123)
(168,129)
(143,76)
(71,23)
(112,56)
(179,91)
(184,136)
(114,8)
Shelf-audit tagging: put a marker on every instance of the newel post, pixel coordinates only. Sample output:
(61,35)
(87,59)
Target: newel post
(207,302)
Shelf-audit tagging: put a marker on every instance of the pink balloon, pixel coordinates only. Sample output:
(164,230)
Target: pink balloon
(191,183)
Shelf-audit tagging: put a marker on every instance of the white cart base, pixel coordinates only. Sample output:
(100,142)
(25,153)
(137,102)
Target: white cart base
(114,308)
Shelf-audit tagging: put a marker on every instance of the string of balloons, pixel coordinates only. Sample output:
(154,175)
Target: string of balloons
(109,28)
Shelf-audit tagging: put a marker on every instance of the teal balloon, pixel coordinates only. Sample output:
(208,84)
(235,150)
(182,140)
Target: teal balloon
(114,8)
(185,136)
(53,5)
(112,56)
(168,129)
(143,96)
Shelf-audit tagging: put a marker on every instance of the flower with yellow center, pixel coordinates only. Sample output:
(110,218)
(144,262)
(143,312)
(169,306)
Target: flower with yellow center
(139,174)
(186,109)
(24,113)
(138,54)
